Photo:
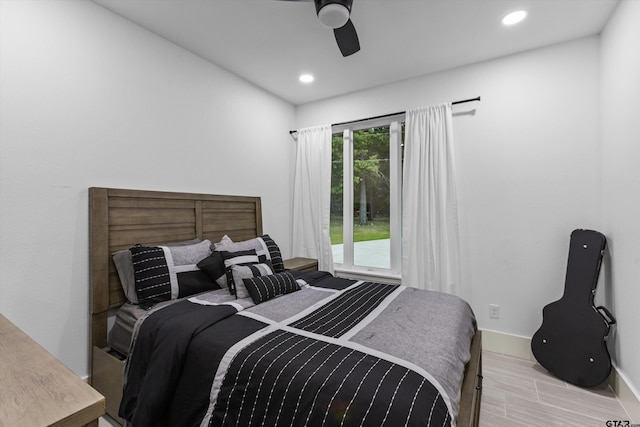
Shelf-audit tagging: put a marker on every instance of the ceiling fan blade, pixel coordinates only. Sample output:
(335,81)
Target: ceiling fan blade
(347,39)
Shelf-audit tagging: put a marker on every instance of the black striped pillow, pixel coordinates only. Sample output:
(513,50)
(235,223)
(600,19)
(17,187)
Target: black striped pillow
(274,253)
(264,288)
(151,273)
(162,273)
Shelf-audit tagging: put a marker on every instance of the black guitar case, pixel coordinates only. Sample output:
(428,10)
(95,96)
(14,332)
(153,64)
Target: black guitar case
(572,341)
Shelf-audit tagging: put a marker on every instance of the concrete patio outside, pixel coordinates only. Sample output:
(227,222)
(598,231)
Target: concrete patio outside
(372,253)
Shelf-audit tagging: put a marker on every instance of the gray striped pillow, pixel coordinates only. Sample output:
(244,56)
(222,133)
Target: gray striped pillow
(237,258)
(241,272)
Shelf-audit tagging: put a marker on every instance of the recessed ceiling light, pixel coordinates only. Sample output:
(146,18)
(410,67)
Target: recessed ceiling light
(306,78)
(514,17)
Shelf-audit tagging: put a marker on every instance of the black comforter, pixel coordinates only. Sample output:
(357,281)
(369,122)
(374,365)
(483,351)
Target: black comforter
(215,365)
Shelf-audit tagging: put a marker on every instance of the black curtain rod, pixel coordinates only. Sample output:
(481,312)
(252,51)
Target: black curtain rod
(291,132)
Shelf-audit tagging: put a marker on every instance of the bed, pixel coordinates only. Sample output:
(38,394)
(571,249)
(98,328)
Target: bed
(119,219)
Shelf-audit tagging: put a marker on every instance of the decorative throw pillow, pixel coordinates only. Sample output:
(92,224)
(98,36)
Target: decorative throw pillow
(263,288)
(265,247)
(162,273)
(275,254)
(152,275)
(124,267)
(237,258)
(213,266)
(241,272)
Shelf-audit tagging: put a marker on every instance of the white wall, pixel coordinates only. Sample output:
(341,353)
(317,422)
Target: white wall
(528,167)
(89,99)
(621,180)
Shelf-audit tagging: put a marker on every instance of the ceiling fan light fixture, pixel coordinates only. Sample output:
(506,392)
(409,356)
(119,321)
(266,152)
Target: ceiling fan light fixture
(333,15)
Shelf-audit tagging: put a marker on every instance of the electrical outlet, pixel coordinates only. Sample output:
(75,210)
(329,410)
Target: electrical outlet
(494,311)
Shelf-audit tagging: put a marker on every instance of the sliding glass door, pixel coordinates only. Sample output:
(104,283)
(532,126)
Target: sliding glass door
(365,196)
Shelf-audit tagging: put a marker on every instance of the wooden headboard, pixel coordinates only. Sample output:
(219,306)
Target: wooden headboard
(118,219)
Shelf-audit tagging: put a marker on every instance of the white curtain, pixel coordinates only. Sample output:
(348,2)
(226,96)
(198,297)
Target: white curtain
(312,195)
(430,244)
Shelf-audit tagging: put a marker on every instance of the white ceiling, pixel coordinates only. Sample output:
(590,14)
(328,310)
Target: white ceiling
(270,43)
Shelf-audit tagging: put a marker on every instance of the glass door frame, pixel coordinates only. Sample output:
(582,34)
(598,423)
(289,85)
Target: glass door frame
(395,195)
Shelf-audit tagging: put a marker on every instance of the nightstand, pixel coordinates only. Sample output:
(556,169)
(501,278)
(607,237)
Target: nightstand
(301,264)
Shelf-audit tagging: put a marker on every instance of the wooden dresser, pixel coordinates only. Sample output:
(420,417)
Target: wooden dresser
(36,389)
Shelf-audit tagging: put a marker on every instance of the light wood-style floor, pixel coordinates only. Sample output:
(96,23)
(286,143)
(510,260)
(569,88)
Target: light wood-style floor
(520,393)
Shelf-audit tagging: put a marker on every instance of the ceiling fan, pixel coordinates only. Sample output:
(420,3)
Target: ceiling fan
(336,14)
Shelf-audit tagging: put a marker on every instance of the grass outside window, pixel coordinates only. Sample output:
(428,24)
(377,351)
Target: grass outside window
(377,229)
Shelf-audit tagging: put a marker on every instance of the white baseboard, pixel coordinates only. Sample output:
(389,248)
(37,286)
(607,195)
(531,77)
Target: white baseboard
(520,347)
(507,344)
(628,398)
